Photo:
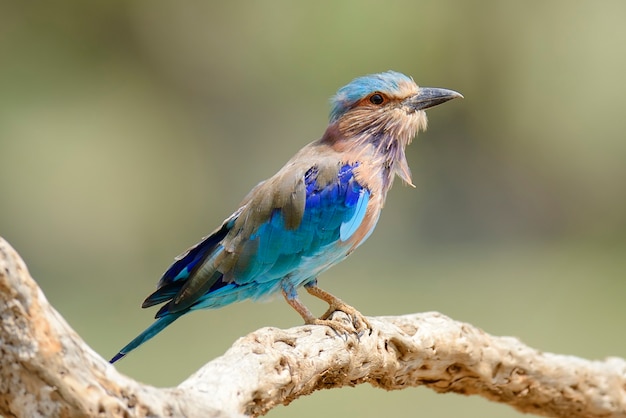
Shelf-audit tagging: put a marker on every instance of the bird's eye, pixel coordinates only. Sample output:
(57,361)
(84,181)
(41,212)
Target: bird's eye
(377,99)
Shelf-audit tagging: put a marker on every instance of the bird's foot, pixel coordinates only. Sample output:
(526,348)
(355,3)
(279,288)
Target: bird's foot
(358,321)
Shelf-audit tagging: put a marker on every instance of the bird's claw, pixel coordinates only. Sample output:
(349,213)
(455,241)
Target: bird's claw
(358,324)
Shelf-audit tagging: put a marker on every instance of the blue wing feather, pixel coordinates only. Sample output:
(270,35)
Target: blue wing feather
(351,225)
(183,266)
(186,264)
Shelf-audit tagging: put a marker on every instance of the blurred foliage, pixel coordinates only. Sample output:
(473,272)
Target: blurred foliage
(130,129)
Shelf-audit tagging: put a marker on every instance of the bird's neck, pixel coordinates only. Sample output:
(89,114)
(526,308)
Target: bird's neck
(381,151)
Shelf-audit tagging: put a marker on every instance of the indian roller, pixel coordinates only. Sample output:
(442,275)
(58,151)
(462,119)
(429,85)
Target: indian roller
(312,214)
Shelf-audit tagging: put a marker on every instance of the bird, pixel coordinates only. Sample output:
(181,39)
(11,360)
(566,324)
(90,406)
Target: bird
(313,213)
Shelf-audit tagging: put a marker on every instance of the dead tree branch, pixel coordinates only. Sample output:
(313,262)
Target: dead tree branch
(47,370)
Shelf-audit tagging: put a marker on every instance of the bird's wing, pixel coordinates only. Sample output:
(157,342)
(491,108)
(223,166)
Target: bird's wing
(296,214)
(329,206)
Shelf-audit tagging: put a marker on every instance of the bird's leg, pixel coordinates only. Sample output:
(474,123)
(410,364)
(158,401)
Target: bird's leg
(291,296)
(335,304)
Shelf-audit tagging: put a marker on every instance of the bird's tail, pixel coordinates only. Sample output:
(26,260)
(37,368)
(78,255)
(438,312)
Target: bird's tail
(156,327)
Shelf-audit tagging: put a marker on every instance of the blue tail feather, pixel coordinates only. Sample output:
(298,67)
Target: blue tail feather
(156,327)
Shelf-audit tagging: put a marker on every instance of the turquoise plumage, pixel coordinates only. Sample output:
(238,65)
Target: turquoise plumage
(312,214)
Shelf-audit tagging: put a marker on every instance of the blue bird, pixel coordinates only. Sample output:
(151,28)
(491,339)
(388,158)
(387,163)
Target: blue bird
(310,215)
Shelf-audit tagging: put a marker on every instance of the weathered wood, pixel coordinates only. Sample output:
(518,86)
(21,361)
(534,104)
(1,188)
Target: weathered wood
(47,370)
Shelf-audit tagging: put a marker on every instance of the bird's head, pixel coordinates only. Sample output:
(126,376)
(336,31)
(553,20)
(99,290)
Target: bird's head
(385,103)
(385,110)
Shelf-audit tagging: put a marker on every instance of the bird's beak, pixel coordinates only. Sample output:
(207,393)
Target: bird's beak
(429,97)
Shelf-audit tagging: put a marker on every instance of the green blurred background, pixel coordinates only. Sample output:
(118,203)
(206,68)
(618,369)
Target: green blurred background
(128,130)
